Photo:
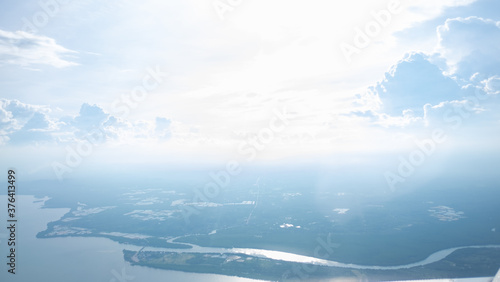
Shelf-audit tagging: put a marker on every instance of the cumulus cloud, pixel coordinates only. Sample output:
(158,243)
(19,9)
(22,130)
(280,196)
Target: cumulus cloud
(413,82)
(26,49)
(14,114)
(459,81)
(38,129)
(470,45)
(21,123)
(37,121)
(93,120)
(90,117)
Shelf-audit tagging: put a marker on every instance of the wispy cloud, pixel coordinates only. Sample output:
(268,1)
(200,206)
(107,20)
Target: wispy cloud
(27,50)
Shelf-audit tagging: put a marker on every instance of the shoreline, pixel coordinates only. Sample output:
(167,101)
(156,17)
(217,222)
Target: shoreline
(276,255)
(290,257)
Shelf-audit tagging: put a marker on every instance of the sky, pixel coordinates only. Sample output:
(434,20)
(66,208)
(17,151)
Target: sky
(152,82)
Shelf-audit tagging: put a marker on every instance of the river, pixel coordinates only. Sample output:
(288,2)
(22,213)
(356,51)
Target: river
(81,259)
(75,259)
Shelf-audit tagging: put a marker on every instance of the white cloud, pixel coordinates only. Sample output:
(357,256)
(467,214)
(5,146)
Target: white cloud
(418,88)
(26,49)
(21,123)
(90,117)
(470,45)
(229,75)
(37,129)
(414,82)
(492,85)
(14,114)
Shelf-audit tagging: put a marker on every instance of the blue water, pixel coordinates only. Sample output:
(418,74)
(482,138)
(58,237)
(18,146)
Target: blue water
(75,259)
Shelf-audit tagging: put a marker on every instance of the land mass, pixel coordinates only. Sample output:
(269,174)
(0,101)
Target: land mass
(460,264)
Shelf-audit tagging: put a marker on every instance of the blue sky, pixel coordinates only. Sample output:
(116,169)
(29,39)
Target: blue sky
(201,80)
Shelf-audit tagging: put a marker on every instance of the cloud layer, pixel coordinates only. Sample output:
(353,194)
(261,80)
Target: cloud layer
(22,124)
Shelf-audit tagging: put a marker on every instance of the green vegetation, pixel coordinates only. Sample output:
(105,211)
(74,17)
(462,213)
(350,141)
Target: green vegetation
(288,217)
(232,265)
(461,264)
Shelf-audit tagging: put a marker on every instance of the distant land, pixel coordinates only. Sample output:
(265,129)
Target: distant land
(282,215)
